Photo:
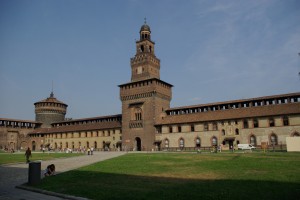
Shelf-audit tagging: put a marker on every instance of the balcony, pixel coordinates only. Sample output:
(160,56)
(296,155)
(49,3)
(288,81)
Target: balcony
(136,124)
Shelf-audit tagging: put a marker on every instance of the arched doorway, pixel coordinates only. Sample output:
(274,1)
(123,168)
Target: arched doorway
(138,144)
(33,146)
(12,146)
(295,134)
(198,142)
(23,145)
(103,145)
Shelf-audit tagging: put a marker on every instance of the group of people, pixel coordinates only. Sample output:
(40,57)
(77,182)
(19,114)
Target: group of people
(90,151)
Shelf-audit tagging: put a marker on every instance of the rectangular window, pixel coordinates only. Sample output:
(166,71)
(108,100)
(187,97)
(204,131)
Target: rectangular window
(179,129)
(192,128)
(205,127)
(271,122)
(158,129)
(215,126)
(245,122)
(170,129)
(255,123)
(285,121)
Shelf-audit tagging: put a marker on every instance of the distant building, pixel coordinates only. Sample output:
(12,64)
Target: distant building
(148,123)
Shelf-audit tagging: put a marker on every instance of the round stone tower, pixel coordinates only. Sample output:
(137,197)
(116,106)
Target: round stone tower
(50,110)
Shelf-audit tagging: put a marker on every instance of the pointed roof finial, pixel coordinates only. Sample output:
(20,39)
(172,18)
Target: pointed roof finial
(145,26)
(52,94)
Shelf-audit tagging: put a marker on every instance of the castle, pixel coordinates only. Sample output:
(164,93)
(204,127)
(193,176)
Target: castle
(148,123)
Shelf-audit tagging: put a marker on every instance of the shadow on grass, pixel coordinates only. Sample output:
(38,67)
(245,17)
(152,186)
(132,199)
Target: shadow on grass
(98,185)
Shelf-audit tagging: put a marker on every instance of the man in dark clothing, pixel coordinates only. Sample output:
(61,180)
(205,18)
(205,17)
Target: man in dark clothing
(28,154)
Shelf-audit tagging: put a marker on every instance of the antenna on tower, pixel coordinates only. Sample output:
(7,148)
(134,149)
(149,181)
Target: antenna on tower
(52,94)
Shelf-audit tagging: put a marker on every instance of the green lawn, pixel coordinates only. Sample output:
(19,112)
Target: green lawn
(185,176)
(6,158)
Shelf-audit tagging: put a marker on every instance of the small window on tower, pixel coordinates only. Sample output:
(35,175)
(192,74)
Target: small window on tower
(139,70)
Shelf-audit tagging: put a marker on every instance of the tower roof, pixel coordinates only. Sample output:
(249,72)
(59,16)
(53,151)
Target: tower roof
(51,99)
(145,27)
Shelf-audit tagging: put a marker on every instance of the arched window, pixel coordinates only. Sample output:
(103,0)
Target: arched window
(273,139)
(181,142)
(295,134)
(166,143)
(198,142)
(214,141)
(138,114)
(237,132)
(253,140)
(223,132)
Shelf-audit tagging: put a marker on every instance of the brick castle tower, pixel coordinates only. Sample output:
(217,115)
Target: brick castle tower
(50,110)
(145,98)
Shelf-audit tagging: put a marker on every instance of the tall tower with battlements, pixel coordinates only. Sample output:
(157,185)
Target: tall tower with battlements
(145,98)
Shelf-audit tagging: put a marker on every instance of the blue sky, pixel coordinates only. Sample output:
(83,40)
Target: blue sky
(210,51)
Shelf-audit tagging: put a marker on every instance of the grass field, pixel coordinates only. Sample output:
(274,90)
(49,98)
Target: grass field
(184,176)
(6,158)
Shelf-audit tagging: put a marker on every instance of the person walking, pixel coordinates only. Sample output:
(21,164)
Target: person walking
(92,150)
(28,154)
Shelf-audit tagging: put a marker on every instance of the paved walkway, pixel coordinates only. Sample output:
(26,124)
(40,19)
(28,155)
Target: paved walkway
(16,174)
